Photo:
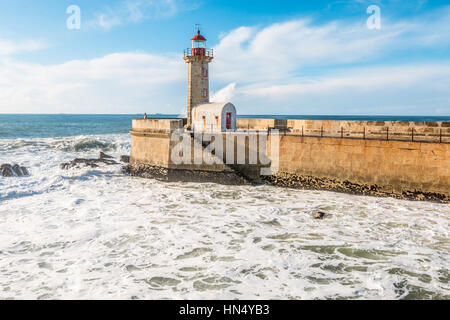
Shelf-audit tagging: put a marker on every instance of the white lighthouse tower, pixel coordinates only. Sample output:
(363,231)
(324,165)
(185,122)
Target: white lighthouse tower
(201,115)
(198,58)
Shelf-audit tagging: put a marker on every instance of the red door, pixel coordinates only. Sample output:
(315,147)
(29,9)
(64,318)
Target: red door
(228,120)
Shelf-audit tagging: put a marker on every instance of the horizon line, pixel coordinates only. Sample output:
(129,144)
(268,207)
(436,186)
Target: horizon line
(248,114)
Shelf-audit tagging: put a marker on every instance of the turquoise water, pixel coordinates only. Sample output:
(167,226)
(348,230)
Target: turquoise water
(45,126)
(13,126)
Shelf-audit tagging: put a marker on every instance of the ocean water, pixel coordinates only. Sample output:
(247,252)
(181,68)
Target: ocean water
(46,126)
(96,233)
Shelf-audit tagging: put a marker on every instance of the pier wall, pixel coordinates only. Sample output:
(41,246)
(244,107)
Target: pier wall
(150,140)
(392,167)
(382,130)
(404,159)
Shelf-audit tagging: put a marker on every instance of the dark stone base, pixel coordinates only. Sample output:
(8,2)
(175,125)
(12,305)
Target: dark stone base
(176,175)
(8,170)
(93,163)
(313,183)
(280,180)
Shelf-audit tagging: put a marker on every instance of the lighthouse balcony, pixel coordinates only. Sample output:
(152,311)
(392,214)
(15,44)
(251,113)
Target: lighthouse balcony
(189,52)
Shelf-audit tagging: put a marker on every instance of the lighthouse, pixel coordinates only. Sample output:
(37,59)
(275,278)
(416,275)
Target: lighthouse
(198,58)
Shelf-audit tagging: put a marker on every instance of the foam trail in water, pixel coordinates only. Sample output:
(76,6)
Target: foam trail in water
(95,233)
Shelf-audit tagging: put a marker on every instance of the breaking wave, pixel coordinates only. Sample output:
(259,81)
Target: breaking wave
(69,144)
(93,233)
(84,144)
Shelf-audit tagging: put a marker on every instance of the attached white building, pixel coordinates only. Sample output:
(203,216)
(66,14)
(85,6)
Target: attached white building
(214,117)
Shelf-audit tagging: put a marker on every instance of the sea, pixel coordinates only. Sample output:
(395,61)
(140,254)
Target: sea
(96,233)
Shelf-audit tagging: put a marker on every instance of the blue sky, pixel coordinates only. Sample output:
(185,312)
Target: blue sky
(272,57)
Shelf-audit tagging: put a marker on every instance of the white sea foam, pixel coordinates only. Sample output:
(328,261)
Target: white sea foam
(95,233)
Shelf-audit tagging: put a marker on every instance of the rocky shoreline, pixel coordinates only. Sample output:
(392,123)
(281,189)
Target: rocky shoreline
(281,179)
(103,158)
(177,175)
(294,181)
(285,180)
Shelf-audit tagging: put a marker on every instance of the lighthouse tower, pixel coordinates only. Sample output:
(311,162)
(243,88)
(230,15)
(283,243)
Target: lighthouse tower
(197,58)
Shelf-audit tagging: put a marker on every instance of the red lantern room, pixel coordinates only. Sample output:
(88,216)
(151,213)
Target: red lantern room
(198,45)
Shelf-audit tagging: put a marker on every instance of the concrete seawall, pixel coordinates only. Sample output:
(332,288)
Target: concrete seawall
(400,159)
(398,168)
(152,149)
(379,130)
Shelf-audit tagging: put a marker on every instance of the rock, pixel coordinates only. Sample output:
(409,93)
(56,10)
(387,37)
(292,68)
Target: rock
(319,215)
(93,163)
(127,169)
(103,156)
(7,170)
(25,171)
(15,170)
(125,159)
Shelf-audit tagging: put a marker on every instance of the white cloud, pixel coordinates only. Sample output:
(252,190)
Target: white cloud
(116,83)
(276,51)
(8,47)
(363,79)
(225,94)
(442,111)
(135,11)
(272,67)
(261,70)
(411,89)
(107,21)
(281,50)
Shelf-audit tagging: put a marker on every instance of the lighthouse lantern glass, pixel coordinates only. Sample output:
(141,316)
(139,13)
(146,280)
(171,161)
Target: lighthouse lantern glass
(196,44)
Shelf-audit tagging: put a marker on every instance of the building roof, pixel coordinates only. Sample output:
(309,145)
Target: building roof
(198,37)
(215,107)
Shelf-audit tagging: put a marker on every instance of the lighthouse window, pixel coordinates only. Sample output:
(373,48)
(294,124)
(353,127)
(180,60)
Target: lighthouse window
(198,44)
(205,93)
(205,72)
